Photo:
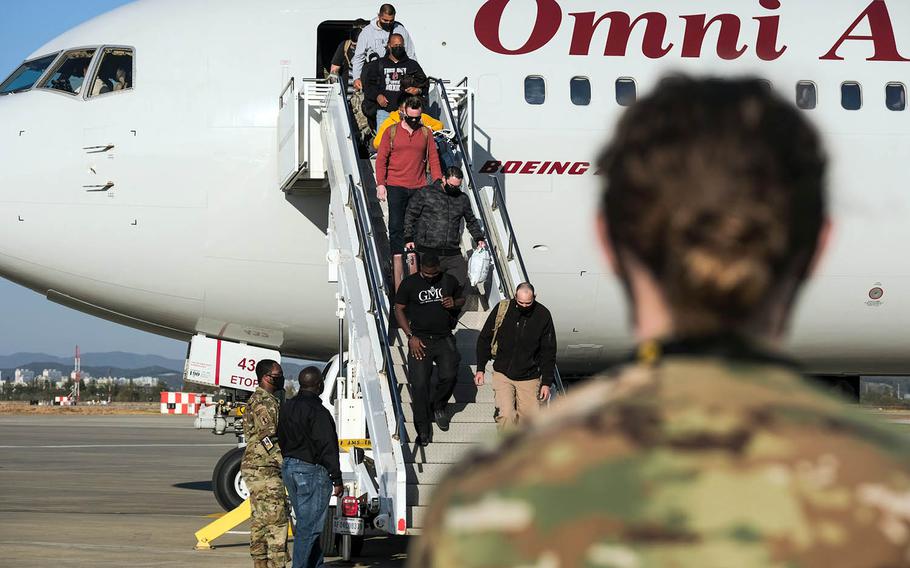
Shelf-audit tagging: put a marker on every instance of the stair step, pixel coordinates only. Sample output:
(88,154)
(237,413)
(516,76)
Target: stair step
(436,452)
(416,515)
(464,393)
(426,473)
(460,432)
(420,495)
(461,412)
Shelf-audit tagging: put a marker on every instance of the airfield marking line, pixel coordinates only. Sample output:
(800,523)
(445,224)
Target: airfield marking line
(110,547)
(121,446)
(238,532)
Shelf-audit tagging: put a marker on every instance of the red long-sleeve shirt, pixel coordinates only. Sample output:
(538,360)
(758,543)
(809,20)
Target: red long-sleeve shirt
(406,165)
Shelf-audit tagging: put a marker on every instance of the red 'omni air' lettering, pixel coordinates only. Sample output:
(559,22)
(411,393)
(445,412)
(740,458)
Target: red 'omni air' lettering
(696,29)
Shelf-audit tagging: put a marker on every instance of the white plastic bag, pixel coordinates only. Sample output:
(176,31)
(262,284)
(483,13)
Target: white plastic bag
(479,266)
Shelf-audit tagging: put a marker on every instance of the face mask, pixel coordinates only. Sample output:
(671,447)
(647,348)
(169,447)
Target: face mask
(453,189)
(413,121)
(431,279)
(398,52)
(278,384)
(525,310)
(387,26)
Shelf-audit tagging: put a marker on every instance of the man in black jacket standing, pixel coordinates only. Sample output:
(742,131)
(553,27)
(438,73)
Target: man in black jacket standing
(435,220)
(311,469)
(520,338)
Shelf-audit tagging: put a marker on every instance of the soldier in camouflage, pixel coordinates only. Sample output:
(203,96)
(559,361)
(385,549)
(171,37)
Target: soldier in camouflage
(708,449)
(261,469)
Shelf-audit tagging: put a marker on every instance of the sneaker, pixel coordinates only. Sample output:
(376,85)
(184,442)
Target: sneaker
(442,419)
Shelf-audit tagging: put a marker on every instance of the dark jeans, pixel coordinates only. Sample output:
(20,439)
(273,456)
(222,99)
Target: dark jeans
(310,490)
(398,197)
(424,399)
(457,266)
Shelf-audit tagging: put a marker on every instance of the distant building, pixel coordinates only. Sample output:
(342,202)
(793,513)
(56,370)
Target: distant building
(146,382)
(52,374)
(23,376)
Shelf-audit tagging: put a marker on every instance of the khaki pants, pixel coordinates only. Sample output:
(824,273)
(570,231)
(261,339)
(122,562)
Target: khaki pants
(515,400)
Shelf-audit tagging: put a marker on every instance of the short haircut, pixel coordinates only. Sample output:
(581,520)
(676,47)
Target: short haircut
(355,34)
(310,378)
(360,23)
(525,286)
(264,367)
(414,103)
(387,10)
(396,35)
(429,259)
(454,172)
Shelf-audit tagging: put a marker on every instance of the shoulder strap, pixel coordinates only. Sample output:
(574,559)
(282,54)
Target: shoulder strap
(501,310)
(347,48)
(392,131)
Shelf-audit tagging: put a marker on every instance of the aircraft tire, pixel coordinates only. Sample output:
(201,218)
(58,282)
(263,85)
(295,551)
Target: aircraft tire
(329,539)
(226,481)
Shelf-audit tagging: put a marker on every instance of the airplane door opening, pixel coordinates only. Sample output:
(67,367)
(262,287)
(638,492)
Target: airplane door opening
(329,36)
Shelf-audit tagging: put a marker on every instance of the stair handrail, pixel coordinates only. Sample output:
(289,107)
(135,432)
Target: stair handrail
(364,229)
(372,262)
(462,157)
(498,204)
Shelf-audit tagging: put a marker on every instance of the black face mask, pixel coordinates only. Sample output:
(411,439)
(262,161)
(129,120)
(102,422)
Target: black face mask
(387,26)
(525,310)
(452,189)
(432,279)
(398,52)
(413,121)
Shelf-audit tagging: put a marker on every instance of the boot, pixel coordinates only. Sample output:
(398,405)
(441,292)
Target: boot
(260,563)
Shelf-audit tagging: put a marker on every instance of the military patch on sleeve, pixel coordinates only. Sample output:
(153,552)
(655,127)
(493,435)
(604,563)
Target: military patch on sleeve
(267,443)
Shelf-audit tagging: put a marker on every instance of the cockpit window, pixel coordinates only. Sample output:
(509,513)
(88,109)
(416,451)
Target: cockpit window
(25,76)
(69,74)
(115,71)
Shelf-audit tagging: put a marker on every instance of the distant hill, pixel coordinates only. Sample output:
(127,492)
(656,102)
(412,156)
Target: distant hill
(115,359)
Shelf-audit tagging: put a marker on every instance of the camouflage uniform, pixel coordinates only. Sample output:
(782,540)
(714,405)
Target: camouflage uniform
(261,468)
(693,461)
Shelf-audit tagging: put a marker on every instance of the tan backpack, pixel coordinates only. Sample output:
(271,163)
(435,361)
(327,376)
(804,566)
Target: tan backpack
(501,310)
(393,130)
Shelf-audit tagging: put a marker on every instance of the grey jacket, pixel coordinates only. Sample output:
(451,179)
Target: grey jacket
(436,220)
(374,39)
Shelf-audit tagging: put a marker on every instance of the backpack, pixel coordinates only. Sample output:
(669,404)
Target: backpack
(393,130)
(501,310)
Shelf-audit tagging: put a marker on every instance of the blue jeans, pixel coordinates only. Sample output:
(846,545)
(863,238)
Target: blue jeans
(381,115)
(310,490)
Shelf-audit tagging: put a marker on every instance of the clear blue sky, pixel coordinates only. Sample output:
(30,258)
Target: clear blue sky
(29,322)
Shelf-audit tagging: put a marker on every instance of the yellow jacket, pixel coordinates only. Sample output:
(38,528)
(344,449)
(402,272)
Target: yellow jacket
(395,118)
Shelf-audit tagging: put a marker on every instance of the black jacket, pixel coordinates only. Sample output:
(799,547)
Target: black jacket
(436,220)
(526,344)
(383,77)
(306,431)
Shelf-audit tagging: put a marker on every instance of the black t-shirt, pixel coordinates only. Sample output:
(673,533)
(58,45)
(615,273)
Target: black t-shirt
(423,304)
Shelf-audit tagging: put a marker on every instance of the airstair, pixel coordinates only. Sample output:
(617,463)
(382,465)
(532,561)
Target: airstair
(318,152)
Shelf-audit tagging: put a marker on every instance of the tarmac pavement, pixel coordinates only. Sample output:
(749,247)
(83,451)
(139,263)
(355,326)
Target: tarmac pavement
(120,491)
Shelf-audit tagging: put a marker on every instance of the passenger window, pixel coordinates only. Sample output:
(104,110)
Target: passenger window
(69,74)
(851,96)
(26,75)
(535,90)
(580,91)
(626,92)
(896,96)
(806,95)
(115,71)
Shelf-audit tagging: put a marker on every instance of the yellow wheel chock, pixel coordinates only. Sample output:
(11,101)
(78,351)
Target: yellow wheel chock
(219,527)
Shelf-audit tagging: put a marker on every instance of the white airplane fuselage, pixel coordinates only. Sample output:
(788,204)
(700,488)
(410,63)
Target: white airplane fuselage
(195,236)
